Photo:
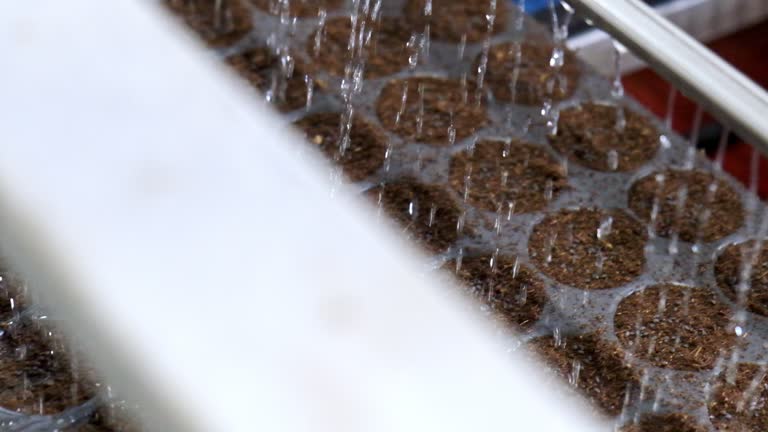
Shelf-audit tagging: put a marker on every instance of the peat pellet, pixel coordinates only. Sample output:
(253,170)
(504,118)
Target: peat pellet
(521,73)
(590,135)
(36,375)
(299,8)
(507,176)
(218,26)
(593,366)
(739,399)
(262,69)
(384,53)
(365,150)
(728,271)
(694,205)
(454,20)
(588,248)
(427,213)
(674,326)
(430,110)
(664,423)
(513,292)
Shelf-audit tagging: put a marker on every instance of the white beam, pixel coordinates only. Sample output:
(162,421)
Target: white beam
(198,254)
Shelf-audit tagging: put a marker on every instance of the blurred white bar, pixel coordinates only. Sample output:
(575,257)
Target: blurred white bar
(177,228)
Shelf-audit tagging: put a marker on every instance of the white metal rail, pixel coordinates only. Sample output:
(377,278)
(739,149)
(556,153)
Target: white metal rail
(690,66)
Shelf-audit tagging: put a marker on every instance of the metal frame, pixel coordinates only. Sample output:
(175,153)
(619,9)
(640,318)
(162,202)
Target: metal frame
(686,63)
(705,20)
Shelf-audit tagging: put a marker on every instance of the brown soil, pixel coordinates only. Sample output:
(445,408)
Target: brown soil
(445,103)
(566,247)
(665,423)
(33,370)
(299,8)
(517,175)
(514,293)
(12,299)
(217,28)
(740,405)
(385,54)
(536,80)
(728,270)
(603,376)
(706,215)
(426,213)
(690,333)
(453,19)
(588,135)
(262,69)
(367,145)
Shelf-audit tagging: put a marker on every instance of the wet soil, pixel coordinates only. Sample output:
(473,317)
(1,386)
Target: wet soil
(739,401)
(433,108)
(299,8)
(217,27)
(567,247)
(692,204)
(385,53)
(34,370)
(520,73)
(454,20)
(262,69)
(365,151)
(512,176)
(728,272)
(588,134)
(675,327)
(426,213)
(665,423)
(597,367)
(513,292)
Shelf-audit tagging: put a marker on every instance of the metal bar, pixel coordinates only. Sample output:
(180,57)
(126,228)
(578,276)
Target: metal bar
(705,20)
(694,69)
(178,229)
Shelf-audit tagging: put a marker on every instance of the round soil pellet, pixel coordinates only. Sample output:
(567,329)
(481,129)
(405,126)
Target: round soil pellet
(366,147)
(35,375)
(385,53)
(711,209)
(589,249)
(221,27)
(262,69)
(664,423)
(739,401)
(507,176)
(589,135)
(676,327)
(430,110)
(514,293)
(520,73)
(728,272)
(453,20)
(427,213)
(299,8)
(593,366)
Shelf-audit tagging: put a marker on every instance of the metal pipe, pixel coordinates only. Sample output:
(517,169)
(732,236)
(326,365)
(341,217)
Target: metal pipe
(693,68)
